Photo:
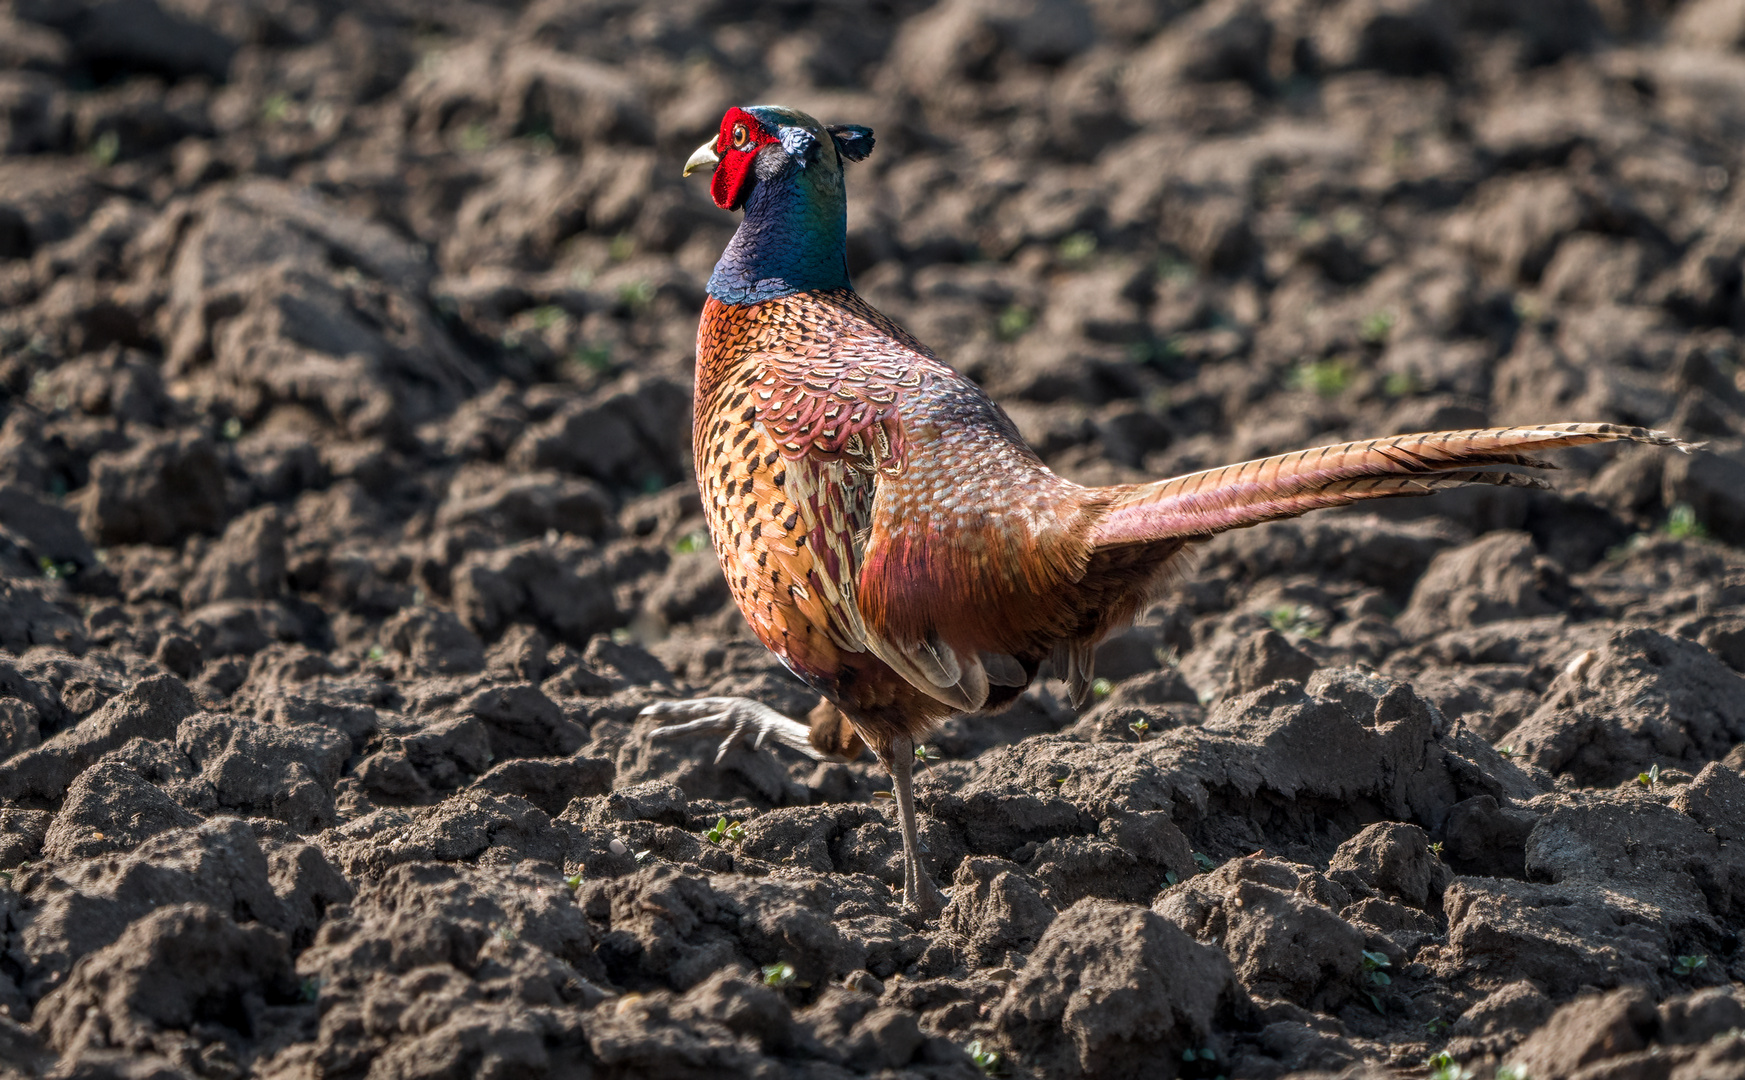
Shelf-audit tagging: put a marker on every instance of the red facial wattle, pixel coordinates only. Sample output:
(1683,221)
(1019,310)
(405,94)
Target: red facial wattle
(732,179)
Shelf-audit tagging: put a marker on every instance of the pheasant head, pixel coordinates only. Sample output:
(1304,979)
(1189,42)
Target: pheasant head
(784,169)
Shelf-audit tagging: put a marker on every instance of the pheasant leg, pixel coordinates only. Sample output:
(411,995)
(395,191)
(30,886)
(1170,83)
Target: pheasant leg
(919,892)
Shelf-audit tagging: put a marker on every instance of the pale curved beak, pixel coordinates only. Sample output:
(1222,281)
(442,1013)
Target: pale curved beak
(705,155)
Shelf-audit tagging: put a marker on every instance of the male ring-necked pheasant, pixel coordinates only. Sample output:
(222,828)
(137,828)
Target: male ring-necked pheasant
(882,525)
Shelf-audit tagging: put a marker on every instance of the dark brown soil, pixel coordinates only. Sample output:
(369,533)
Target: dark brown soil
(346,525)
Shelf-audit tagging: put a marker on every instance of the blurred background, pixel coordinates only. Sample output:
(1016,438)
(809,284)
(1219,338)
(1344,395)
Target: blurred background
(317,314)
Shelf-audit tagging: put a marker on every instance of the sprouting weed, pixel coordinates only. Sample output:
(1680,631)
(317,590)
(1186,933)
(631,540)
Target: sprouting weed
(595,358)
(635,296)
(547,316)
(695,540)
(1140,727)
(106,148)
(986,1060)
(779,974)
(376,655)
(1682,523)
(1299,621)
(643,856)
(56,569)
(1101,688)
(1013,322)
(1507,750)
(925,753)
(1651,777)
(723,830)
(1512,1072)
(1435,1026)
(1204,862)
(1442,1066)
(276,109)
(1373,973)
(1078,247)
(1328,378)
(573,882)
(475,137)
(622,247)
(1690,964)
(231,429)
(1170,877)
(1376,327)
(1436,848)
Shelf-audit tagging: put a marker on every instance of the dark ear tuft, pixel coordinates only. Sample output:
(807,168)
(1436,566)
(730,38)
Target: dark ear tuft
(853,142)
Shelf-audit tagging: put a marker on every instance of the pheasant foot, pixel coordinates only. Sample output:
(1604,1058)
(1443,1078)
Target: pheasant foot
(742,720)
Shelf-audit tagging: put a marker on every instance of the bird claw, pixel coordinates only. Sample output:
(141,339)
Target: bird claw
(742,719)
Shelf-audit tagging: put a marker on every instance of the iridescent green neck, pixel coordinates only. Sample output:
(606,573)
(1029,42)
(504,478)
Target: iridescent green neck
(794,238)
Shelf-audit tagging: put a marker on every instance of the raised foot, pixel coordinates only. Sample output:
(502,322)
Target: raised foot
(742,720)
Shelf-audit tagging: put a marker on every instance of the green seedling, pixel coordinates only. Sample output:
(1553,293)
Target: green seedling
(1373,973)
(1101,688)
(986,1060)
(56,570)
(475,137)
(547,316)
(696,540)
(1170,877)
(1298,620)
(1682,523)
(1399,384)
(1013,322)
(1512,1072)
(106,148)
(622,247)
(723,830)
(1328,378)
(1507,751)
(1436,848)
(597,358)
(779,975)
(376,655)
(1690,964)
(1140,727)
(1204,862)
(231,430)
(1651,777)
(1376,327)
(1442,1066)
(1078,247)
(573,882)
(925,753)
(1435,1026)
(635,296)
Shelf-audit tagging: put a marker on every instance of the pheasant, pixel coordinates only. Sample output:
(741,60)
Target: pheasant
(883,526)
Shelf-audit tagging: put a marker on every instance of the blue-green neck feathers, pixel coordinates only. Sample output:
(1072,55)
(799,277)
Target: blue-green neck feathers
(795,234)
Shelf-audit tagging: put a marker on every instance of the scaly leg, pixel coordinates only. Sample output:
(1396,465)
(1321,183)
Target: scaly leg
(919,892)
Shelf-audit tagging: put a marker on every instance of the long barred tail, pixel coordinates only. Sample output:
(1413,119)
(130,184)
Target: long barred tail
(1204,503)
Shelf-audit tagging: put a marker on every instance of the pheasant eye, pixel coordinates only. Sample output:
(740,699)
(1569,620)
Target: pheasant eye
(740,135)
